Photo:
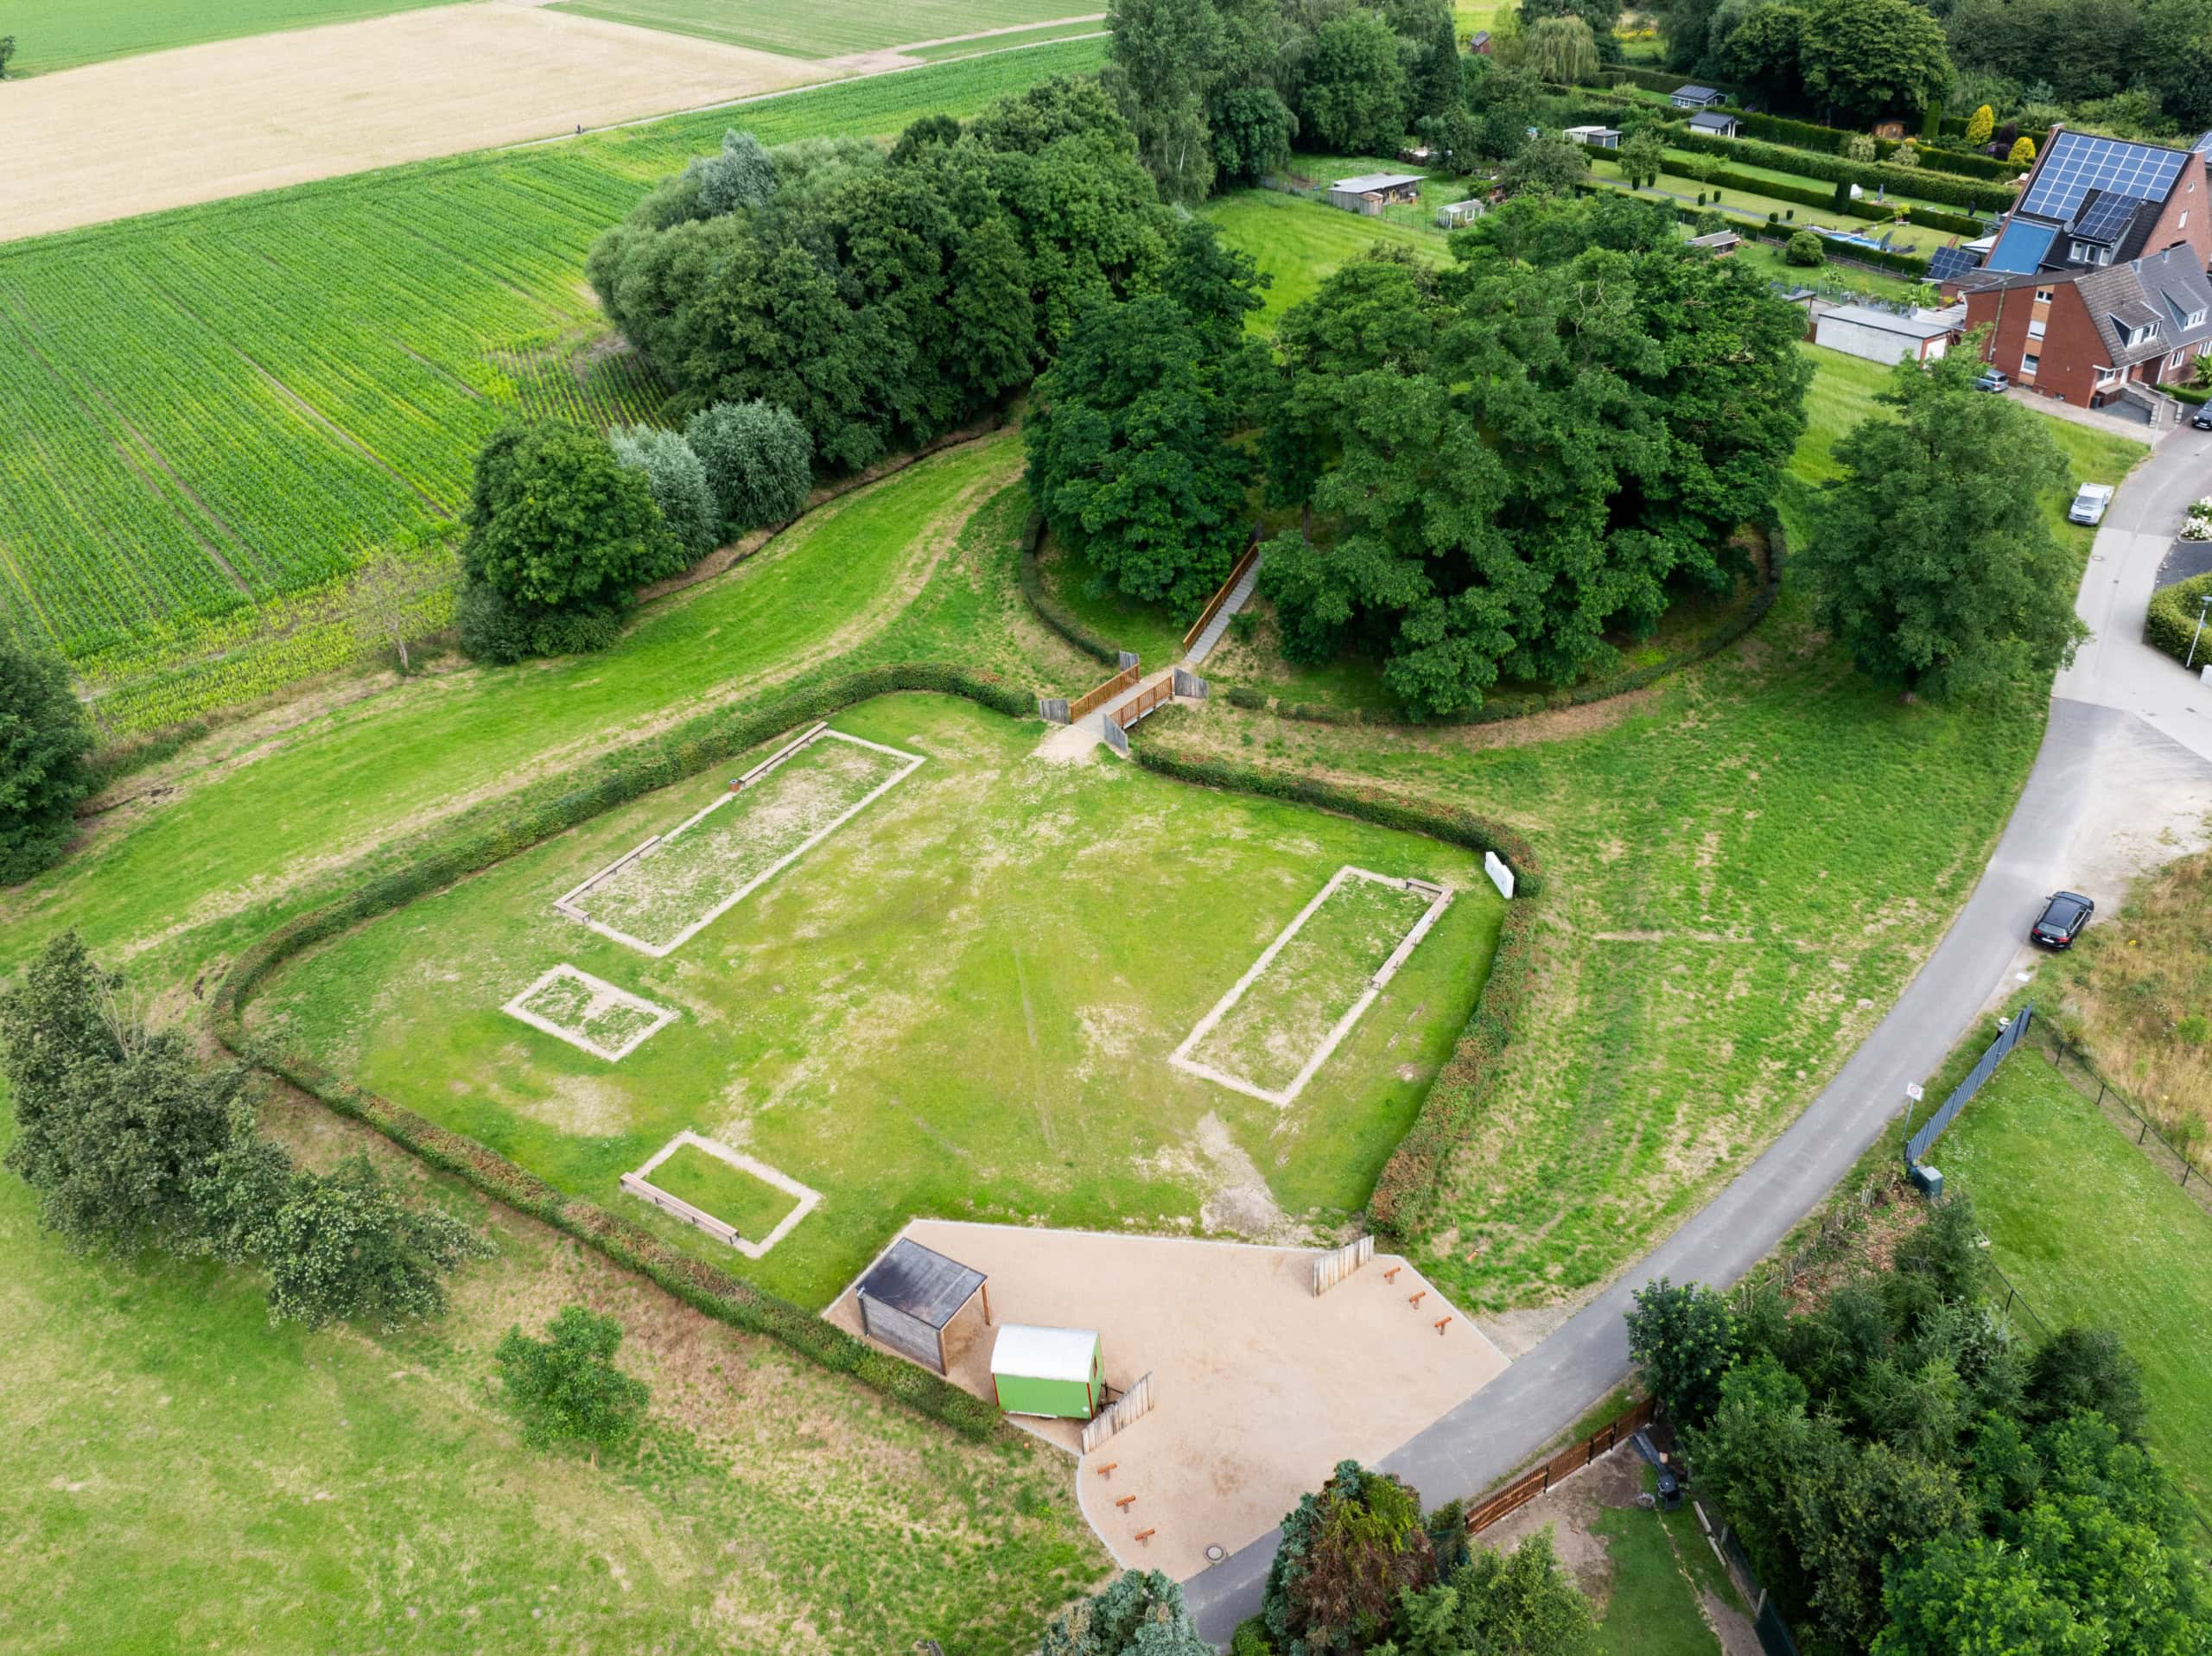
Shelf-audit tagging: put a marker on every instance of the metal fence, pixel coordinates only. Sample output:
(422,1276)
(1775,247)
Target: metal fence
(1766,1616)
(1932,1129)
(2073,1064)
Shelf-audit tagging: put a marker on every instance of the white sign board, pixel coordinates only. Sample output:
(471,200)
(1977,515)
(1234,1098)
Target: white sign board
(1500,875)
(1915,1094)
(2204,673)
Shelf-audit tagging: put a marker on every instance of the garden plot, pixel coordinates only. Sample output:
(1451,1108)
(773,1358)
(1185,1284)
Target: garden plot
(588,1012)
(676,885)
(723,1192)
(1279,1022)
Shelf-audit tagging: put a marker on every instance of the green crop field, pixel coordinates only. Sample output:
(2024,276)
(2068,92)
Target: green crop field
(827,29)
(2092,1232)
(213,415)
(960,1003)
(63,33)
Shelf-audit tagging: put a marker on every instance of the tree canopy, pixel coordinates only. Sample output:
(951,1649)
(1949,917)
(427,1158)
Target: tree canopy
(566,1388)
(1867,58)
(44,738)
(1140,1613)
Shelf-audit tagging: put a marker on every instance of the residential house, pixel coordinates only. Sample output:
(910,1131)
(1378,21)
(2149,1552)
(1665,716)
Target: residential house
(2090,336)
(1882,335)
(1714,124)
(1597,137)
(1696,98)
(1369,192)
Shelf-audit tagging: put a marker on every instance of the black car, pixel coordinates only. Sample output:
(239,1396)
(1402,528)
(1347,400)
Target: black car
(2203,418)
(2063,918)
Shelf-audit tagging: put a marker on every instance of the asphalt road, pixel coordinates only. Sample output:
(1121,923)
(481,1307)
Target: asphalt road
(2130,734)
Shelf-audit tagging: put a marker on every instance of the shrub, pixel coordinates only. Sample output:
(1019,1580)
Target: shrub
(1243,695)
(44,737)
(1141,1612)
(1805,249)
(2172,623)
(678,480)
(758,461)
(566,1388)
(2023,151)
(343,1245)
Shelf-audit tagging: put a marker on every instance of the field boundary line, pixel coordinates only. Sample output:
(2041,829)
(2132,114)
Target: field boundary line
(518,1007)
(640,1184)
(658,951)
(1181,1059)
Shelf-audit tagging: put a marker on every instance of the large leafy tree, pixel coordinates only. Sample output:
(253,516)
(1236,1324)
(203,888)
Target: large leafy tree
(1561,49)
(1162,59)
(555,521)
(758,463)
(1599,15)
(1865,58)
(1524,1601)
(678,483)
(1129,433)
(1354,99)
(1683,1340)
(1141,1612)
(343,1245)
(44,737)
(1766,50)
(1930,553)
(1348,1552)
(566,1388)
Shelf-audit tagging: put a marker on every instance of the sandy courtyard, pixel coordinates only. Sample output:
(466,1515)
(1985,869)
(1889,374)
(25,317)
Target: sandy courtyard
(205,121)
(1258,1387)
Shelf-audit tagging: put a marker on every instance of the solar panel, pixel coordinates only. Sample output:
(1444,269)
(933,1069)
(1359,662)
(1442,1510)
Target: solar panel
(2020,250)
(2079,163)
(1947,262)
(2104,218)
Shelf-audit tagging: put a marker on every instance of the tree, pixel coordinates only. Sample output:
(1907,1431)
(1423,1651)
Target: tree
(1643,157)
(114,1123)
(387,598)
(344,1245)
(1547,167)
(758,460)
(1683,1340)
(1354,97)
(1865,57)
(1455,138)
(1805,249)
(1766,50)
(678,482)
(1161,60)
(1141,1612)
(1524,1601)
(557,527)
(44,739)
(566,1388)
(1561,49)
(740,175)
(928,131)
(2023,153)
(1347,1554)
(7,52)
(1979,126)
(1599,15)
(1930,553)
(2080,1369)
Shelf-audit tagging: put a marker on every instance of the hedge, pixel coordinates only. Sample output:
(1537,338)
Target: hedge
(442,861)
(2171,625)
(1804,196)
(1049,609)
(1406,1191)
(1666,81)
(1830,140)
(1501,709)
(1910,180)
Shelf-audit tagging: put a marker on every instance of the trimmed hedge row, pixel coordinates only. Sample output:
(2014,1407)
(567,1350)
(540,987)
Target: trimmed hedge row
(2171,625)
(1910,180)
(1666,80)
(1406,1191)
(648,766)
(1829,140)
(1501,709)
(1804,195)
(1049,609)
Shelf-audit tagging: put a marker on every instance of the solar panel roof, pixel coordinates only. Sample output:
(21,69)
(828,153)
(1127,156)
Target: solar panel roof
(1946,262)
(2105,216)
(2079,163)
(2021,248)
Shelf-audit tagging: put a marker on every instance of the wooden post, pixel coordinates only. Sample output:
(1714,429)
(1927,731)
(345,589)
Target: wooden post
(1391,1275)
(1123,1504)
(1415,1300)
(984,1289)
(1441,1322)
(1107,1470)
(1145,1535)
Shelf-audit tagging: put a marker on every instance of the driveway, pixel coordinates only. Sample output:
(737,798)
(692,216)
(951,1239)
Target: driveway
(2123,780)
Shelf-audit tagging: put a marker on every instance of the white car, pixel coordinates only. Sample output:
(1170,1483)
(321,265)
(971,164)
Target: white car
(2090,505)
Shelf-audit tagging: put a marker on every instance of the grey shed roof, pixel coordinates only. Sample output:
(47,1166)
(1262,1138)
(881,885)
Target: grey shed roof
(1366,181)
(1703,94)
(1921,325)
(1711,121)
(921,1282)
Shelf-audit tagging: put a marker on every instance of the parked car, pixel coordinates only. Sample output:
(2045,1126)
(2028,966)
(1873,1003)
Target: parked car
(2090,505)
(2203,418)
(2065,917)
(1991,380)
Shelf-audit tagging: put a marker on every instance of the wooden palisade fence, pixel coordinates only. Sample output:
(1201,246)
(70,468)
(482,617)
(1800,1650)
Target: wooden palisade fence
(1131,1405)
(1332,1267)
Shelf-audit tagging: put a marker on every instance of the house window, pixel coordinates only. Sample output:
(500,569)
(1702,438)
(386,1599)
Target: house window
(2089,253)
(2043,296)
(2106,376)
(2182,222)
(2195,319)
(2035,329)
(2028,364)
(2175,360)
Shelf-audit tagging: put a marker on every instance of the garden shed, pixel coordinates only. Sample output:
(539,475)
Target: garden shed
(1369,192)
(1454,214)
(1059,1372)
(918,1302)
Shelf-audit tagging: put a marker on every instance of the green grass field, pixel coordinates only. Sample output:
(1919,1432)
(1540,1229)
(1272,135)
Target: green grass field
(738,1198)
(216,412)
(960,1004)
(828,29)
(2091,1232)
(1745,204)
(51,35)
(1297,243)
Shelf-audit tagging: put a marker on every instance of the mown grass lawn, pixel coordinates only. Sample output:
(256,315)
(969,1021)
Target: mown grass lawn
(1297,243)
(2092,1232)
(959,1005)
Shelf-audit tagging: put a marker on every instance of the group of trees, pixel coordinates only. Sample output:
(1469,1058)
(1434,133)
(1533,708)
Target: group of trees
(1219,91)
(1911,1477)
(130,1143)
(44,740)
(565,526)
(1845,61)
(883,298)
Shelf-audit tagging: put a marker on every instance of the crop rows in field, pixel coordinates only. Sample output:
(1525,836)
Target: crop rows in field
(212,416)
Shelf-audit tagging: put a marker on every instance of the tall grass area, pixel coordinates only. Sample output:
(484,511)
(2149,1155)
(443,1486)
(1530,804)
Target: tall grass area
(2092,1232)
(65,33)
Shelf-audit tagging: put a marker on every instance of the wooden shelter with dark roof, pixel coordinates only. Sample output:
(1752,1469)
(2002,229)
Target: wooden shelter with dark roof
(912,1300)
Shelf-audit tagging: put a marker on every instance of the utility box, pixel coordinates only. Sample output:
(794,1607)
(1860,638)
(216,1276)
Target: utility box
(1056,1371)
(1928,1182)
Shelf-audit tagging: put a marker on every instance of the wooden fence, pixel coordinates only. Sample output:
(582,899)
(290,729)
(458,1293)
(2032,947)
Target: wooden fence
(1150,701)
(1526,1487)
(678,1207)
(1332,1267)
(1105,693)
(1132,1405)
(1214,604)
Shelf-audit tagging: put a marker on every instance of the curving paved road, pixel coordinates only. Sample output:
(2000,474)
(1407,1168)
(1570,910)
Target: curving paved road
(2126,755)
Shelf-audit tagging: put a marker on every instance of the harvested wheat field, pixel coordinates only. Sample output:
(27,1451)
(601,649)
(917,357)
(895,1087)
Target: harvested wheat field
(172,128)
